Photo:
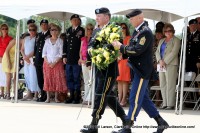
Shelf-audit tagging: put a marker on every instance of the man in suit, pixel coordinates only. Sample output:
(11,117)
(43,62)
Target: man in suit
(39,44)
(71,48)
(139,52)
(105,80)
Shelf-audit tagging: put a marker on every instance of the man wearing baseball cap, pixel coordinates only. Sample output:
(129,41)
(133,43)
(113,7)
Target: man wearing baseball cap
(139,52)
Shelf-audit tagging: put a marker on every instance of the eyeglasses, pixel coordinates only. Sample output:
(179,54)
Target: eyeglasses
(89,29)
(168,31)
(32,30)
(124,28)
(54,30)
(4,29)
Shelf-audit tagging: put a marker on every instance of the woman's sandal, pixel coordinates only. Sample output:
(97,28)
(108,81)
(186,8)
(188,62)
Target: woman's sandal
(123,104)
(7,96)
(57,101)
(2,96)
(47,101)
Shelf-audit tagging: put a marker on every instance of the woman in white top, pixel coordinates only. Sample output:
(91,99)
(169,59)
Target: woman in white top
(54,75)
(27,50)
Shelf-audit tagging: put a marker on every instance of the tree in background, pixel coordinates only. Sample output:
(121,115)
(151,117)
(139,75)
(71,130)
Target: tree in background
(12,23)
(116,19)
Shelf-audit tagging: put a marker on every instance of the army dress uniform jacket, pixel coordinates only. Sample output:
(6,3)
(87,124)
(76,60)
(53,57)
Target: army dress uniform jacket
(39,44)
(192,51)
(111,70)
(139,51)
(72,43)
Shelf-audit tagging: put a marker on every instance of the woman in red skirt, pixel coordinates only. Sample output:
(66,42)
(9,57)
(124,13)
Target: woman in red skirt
(54,75)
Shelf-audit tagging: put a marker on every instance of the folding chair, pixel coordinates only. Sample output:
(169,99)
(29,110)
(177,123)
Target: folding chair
(21,83)
(193,89)
(156,89)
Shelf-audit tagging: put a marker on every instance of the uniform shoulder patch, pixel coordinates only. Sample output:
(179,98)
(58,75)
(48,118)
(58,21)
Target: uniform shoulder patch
(142,40)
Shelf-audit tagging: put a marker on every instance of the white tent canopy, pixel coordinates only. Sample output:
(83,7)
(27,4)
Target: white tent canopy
(23,8)
(19,10)
(58,15)
(166,10)
(155,15)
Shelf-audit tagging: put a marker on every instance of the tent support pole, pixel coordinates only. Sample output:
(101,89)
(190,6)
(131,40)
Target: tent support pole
(17,60)
(183,66)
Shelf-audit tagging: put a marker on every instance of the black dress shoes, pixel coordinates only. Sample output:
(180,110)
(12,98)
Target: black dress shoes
(89,130)
(70,100)
(162,124)
(123,130)
(76,102)
(41,100)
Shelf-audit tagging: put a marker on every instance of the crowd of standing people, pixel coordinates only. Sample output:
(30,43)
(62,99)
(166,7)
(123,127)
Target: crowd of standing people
(53,64)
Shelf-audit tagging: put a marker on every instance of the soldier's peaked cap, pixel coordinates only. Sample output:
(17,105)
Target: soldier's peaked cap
(102,10)
(134,13)
(30,21)
(74,16)
(44,21)
(193,21)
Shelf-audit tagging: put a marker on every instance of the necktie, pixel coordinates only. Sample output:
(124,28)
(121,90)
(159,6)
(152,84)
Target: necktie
(192,35)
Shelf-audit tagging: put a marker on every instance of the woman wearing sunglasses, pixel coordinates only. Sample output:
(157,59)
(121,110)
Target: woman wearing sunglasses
(82,61)
(167,58)
(124,77)
(4,41)
(27,51)
(53,69)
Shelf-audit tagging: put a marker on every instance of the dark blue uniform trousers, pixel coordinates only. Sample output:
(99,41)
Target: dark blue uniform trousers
(104,96)
(139,97)
(73,77)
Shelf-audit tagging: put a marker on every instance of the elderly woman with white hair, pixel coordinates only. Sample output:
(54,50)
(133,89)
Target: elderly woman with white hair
(53,69)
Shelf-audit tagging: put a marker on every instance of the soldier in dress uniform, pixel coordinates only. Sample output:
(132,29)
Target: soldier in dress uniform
(105,79)
(139,53)
(193,47)
(198,28)
(71,48)
(198,23)
(39,44)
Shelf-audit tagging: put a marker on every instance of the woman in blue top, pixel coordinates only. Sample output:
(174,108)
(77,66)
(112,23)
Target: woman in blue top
(167,58)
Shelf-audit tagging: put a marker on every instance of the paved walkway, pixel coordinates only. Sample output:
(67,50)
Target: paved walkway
(34,117)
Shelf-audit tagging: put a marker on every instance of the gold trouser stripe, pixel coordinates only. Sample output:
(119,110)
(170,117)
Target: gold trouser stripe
(103,98)
(136,98)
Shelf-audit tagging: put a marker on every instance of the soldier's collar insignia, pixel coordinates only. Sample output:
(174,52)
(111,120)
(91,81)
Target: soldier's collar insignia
(142,40)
